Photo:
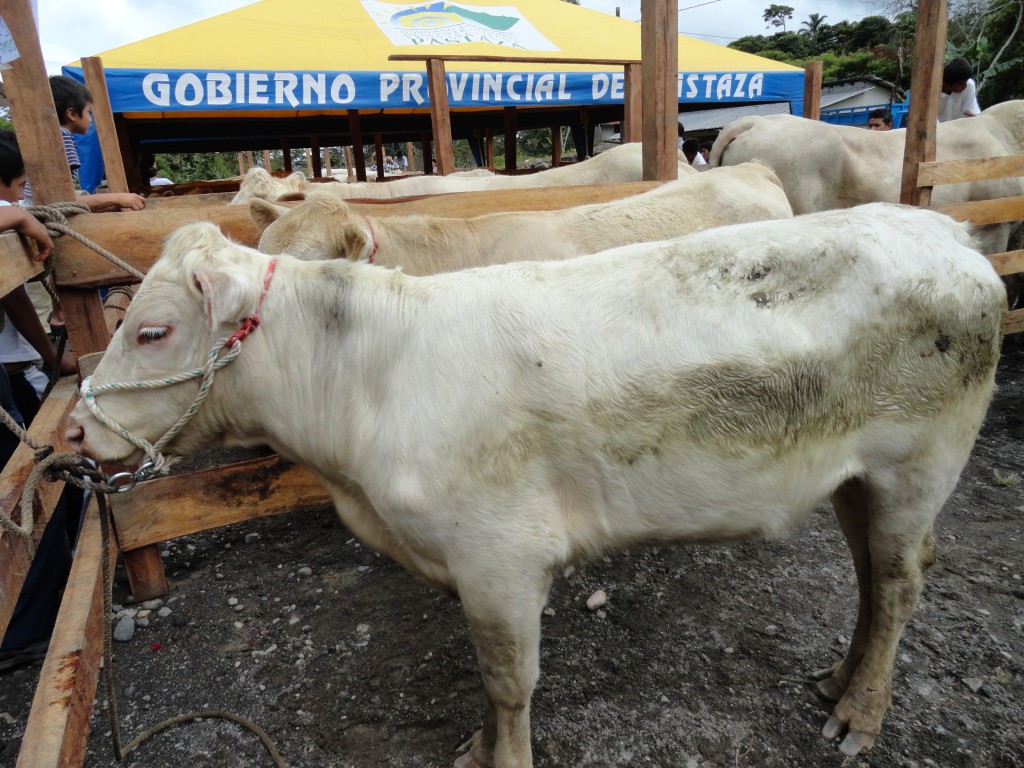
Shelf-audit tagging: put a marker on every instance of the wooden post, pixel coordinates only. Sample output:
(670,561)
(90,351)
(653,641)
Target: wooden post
(314,157)
(266,160)
(356,131)
(309,163)
(428,154)
(378,153)
(556,146)
(489,142)
(32,110)
(659,43)
(812,90)
(632,118)
(409,154)
(113,165)
(286,151)
(328,171)
(440,118)
(511,159)
(241,164)
(248,159)
(349,167)
(929,53)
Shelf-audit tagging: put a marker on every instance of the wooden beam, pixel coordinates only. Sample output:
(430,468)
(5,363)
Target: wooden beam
(328,171)
(86,323)
(982,212)
(511,158)
(812,90)
(16,262)
(286,151)
(556,146)
(241,163)
(428,154)
(929,53)
(58,725)
(113,164)
(659,42)
(145,569)
(489,145)
(314,157)
(1008,263)
(32,110)
(409,154)
(1013,322)
(632,128)
(47,429)
(349,166)
(356,132)
(378,154)
(956,171)
(440,117)
(242,491)
(266,160)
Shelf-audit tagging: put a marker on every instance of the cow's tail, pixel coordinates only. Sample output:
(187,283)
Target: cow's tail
(728,135)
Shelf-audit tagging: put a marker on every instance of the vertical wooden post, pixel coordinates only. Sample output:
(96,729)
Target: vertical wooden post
(314,157)
(32,110)
(378,154)
(349,166)
(356,132)
(929,53)
(632,117)
(409,154)
(659,44)
(556,146)
(440,117)
(511,161)
(328,171)
(248,159)
(309,162)
(428,154)
(489,142)
(266,160)
(286,150)
(113,164)
(241,163)
(812,90)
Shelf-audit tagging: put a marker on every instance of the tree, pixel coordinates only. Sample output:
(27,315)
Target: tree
(776,15)
(812,25)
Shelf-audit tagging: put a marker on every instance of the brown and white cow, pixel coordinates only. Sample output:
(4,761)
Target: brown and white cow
(326,228)
(485,427)
(825,166)
(613,166)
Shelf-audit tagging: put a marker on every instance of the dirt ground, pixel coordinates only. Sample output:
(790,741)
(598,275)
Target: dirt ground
(697,659)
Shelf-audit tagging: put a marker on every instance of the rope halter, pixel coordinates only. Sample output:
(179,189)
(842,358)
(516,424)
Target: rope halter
(157,463)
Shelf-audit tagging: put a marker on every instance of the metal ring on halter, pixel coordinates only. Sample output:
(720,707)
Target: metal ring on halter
(126,481)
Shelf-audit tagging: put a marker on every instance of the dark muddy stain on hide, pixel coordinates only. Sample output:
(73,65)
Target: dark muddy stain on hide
(331,291)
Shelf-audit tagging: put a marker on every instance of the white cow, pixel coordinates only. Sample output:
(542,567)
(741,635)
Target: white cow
(486,427)
(326,228)
(617,165)
(825,166)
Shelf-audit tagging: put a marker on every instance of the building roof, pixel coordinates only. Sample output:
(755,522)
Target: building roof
(714,119)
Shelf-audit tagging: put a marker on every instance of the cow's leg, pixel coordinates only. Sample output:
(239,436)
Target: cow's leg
(504,608)
(851,502)
(904,503)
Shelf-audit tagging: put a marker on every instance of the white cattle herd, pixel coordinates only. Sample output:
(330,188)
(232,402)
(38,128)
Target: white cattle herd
(486,423)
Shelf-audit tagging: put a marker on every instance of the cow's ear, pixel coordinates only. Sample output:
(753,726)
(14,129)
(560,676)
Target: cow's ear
(265,213)
(352,242)
(226,298)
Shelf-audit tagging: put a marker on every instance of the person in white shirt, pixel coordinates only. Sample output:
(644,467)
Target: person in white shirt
(691,148)
(959,96)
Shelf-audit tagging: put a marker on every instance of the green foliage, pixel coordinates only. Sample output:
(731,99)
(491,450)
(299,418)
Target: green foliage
(776,15)
(184,167)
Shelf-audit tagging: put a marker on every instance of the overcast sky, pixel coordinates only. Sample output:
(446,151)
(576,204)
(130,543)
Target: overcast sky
(70,29)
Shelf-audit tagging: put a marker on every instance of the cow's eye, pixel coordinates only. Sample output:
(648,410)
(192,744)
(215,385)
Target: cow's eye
(151,333)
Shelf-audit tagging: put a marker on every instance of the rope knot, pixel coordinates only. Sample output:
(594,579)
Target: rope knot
(57,214)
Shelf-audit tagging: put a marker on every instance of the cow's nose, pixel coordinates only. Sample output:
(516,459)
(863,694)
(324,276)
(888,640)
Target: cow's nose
(75,436)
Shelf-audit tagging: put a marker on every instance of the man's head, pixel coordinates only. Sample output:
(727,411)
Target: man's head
(880,120)
(955,75)
(73,102)
(690,148)
(12,169)
(705,151)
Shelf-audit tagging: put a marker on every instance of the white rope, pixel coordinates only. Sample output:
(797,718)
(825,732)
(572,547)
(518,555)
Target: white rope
(160,463)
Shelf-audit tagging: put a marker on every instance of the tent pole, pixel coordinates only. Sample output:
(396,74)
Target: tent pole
(356,132)
(113,163)
(632,118)
(659,67)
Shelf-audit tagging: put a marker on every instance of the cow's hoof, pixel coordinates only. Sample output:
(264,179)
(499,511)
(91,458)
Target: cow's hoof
(468,760)
(854,742)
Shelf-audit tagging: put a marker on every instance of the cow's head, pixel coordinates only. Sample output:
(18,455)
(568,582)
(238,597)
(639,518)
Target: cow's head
(200,291)
(323,227)
(258,183)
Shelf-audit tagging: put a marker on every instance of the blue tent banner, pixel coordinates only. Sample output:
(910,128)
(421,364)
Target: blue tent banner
(176,90)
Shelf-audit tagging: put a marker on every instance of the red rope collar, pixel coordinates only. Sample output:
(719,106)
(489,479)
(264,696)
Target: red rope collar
(252,322)
(373,237)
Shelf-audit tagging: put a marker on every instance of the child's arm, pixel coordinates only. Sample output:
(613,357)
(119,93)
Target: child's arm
(113,201)
(13,217)
(22,314)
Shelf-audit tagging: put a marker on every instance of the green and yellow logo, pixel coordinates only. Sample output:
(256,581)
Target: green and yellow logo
(442,14)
